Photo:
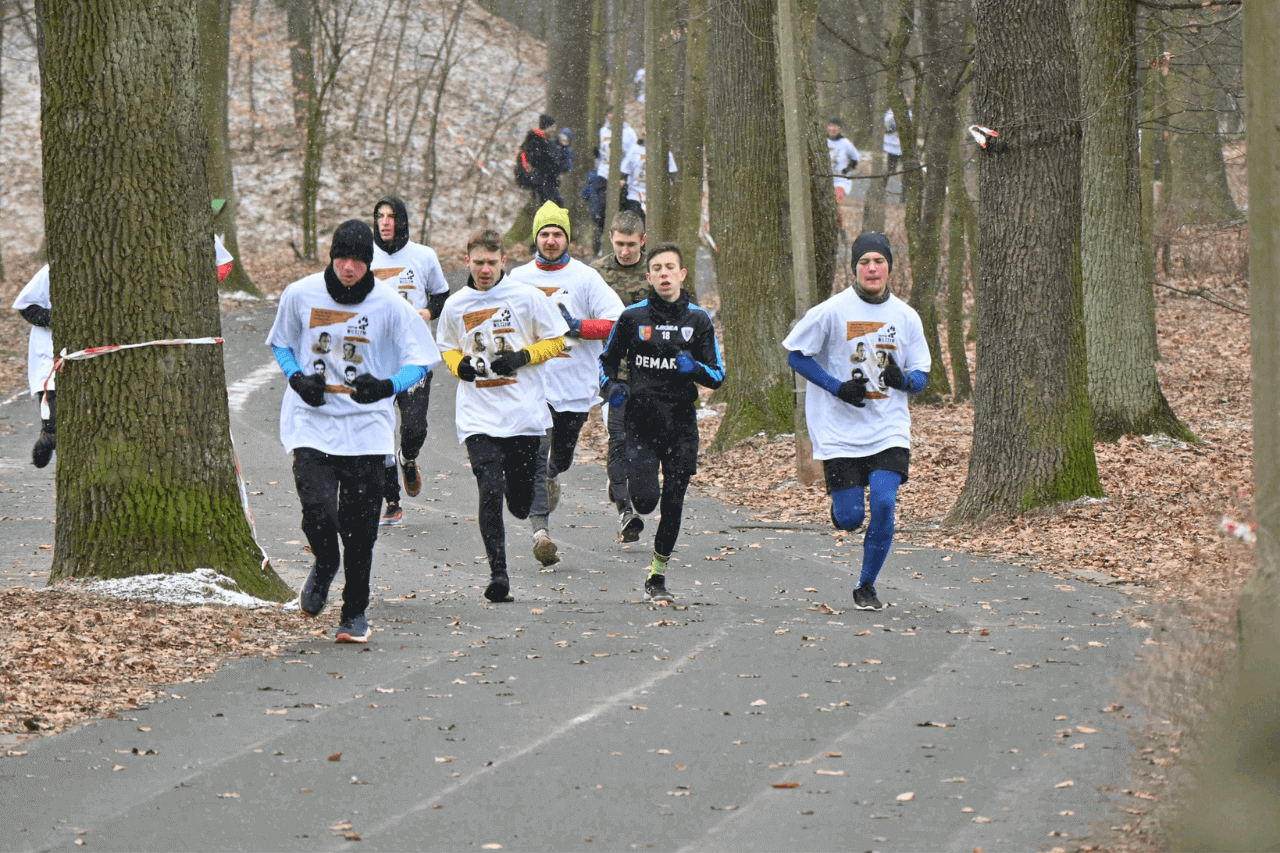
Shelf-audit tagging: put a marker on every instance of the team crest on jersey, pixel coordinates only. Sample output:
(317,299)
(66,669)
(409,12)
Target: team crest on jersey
(686,332)
(646,332)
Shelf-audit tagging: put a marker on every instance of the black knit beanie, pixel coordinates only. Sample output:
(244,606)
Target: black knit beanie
(872,241)
(353,239)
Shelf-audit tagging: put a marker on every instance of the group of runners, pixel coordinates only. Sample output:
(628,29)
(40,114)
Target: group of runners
(535,350)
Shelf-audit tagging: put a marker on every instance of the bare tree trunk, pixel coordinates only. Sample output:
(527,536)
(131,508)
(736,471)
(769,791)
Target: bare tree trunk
(692,146)
(146,472)
(622,28)
(959,211)
(1119,306)
(298,16)
(826,218)
(943,71)
(568,78)
(214,18)
(1032,433)
(747,175)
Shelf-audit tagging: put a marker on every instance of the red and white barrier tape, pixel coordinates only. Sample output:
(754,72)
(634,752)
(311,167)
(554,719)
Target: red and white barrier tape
(1247,532)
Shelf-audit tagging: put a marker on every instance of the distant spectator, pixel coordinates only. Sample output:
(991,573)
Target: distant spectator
(542,162)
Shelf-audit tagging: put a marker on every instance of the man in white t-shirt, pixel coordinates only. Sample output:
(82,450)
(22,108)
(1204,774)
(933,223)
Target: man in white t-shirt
(34,306)
(340,431)
(844,159)
(634,178)
(862,351)
(413,271)
(596,189)
(501,406)
(590,307)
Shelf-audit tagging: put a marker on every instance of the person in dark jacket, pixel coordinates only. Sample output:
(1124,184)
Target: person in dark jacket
(540,157)
(669,346)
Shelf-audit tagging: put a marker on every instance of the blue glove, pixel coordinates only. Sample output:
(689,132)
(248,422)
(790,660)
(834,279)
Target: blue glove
(575,325)
(616,392)
(685,362)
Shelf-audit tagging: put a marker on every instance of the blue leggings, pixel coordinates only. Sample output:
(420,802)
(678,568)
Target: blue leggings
(848,509)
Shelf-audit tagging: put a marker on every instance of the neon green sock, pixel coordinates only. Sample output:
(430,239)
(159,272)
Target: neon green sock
(659,566)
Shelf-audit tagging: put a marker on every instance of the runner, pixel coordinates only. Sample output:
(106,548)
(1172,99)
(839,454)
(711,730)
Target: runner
(627,273)
(34,306)
(413,271)
(861,425)
(339,435)
(668,344)
(589,307)
(501,408)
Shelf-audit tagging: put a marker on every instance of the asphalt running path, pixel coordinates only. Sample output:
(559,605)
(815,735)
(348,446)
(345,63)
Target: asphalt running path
(760,712)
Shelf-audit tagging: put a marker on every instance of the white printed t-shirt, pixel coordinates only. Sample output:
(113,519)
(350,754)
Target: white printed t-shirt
(378,336)
(573,377)
(482,323)
(40,342)
(845,335)
(413,272)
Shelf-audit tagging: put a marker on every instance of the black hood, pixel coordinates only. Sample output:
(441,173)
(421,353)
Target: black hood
(402,225)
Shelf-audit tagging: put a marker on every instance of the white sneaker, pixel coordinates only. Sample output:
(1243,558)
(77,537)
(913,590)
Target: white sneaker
(544,550)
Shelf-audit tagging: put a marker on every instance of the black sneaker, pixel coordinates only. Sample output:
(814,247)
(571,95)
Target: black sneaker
(392,515)
(315,592)
(354,630)
(655,588)
(499,588)
(42,452)
(412,477)
(630,524)
(864,598)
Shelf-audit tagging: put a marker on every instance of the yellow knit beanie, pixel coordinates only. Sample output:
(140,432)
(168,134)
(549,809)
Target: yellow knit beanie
(551,214)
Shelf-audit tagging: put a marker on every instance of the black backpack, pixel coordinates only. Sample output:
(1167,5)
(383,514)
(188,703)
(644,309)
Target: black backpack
(523,174)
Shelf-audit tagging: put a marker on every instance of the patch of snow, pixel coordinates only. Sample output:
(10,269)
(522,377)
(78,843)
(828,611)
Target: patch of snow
(202,587)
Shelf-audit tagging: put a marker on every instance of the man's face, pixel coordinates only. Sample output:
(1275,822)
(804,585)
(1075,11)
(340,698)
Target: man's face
(485,266)
(626,247)
(833,130)
(349,270)
(552,242)
(666,275)
(385,219)
(873,273)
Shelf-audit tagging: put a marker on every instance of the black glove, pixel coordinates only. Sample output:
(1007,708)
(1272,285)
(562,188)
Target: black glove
(893,375)
(371,390)
(309,388)
(507,363)
(466,370)
(616,392)
(854,391)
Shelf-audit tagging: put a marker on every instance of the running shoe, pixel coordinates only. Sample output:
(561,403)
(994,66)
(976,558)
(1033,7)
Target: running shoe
(392,515)
(412,477)
(544,550)
(864,598)
(354,630)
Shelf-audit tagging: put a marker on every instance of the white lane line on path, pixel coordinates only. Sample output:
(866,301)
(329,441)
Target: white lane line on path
(238,392)
(617,700)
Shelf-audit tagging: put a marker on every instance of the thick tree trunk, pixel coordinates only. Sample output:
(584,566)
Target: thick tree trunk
(663,47)
(1032,433)
(1119,306)
(747,175)
(1236,802)
(215,47)
(146,478)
